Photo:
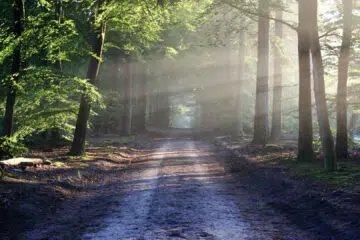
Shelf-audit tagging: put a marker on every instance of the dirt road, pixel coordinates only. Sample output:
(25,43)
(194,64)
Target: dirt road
(180,191)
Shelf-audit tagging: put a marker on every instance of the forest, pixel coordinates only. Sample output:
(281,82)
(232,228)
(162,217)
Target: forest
(94,92)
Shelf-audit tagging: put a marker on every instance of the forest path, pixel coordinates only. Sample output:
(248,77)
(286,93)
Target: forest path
(183,192)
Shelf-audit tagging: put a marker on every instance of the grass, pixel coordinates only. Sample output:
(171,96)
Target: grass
(59,164)
(83,165)
(11,175)
(347,175)
(85,157)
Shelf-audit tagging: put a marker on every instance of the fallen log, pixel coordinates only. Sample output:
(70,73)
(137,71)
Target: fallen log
(21,162)
(24,162)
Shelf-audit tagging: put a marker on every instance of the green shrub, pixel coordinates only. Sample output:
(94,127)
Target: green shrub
(108,120)
(11,148)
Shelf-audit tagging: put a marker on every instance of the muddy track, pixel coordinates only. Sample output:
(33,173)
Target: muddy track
(181,191)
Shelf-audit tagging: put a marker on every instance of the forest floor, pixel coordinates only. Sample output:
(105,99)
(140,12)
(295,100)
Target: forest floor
(327,203)
(175,189)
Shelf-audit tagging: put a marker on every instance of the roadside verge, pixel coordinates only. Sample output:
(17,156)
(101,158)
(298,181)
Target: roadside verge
(315,206)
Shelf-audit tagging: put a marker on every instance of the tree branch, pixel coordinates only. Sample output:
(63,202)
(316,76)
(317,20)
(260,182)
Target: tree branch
(251,13)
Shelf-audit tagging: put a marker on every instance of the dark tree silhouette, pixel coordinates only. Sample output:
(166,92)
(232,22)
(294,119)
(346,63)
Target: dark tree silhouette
(305,139)
(262,88)
(343,65)
(98,36)
(18,15)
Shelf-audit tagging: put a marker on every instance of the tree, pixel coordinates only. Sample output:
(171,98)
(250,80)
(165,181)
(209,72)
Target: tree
(18,15)
(98,37)
(305,138)
(128,99)
(241,79)
(327,142)
(341,97)
(277,86)
(139,93)
(261,106)
(162,114)
(45,96)
(142,98)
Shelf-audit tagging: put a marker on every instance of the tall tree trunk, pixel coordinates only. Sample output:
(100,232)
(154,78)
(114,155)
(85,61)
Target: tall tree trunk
(127,117)
(305,138)
(151,102)
(139,84)
(134,95)
(327,142)
(262,89)
(154,104)
(241,80)
(341,101)
(78,144)
(163,111)
(230,90)
(18,14)
(277,86)
(142,103)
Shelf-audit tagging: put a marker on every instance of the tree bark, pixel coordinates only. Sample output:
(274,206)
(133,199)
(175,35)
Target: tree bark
(151,101)
(134,95)
(277,86)
(127,117)
(305,138)
(142,103)
(18,14)
(154,104)
(262,89)
(139,92)
(241,79)
(327,142)
(78,144)
(341,98)
(163,110)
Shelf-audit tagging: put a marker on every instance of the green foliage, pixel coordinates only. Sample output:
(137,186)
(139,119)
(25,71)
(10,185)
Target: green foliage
(316,139)
(79,174)
(109,119)
(9,148)
(47,94)
(133,26)
(48,99)
(317,144)
(45,36)
(55,47)
(181,109)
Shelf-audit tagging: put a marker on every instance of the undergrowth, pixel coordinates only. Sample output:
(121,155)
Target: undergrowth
(347,174)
